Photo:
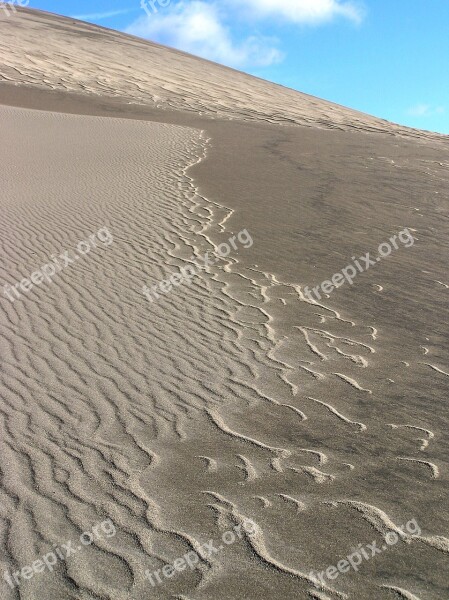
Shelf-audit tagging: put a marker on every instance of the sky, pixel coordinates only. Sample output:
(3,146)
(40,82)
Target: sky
(388,58)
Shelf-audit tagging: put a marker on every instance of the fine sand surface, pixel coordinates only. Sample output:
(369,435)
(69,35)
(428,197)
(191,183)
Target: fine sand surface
(235,397)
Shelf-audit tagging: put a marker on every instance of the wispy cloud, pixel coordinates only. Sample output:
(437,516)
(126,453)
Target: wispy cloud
(208,28)
(200,28)
(310,12)
(102,15)
(426,110)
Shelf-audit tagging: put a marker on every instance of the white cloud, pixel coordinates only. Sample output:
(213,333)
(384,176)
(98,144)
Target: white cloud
(203,27)
(426,110)
(101,15)
(198,28)
(312,12)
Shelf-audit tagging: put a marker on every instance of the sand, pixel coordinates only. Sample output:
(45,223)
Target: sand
(233,397)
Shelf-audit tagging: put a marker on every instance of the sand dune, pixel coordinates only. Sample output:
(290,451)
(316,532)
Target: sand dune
(232,399)
(79,57)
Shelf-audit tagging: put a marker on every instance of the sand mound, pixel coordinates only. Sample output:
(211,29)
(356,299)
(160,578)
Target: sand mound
(178,419)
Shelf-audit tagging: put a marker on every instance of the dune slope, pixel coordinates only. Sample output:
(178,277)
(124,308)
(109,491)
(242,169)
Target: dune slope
(230,420)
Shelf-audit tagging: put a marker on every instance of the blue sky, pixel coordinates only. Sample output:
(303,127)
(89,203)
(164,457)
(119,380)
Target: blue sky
(388,58)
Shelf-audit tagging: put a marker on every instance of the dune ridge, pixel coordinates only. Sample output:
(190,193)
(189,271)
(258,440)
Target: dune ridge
(162,78)
(232,398)
(134,391)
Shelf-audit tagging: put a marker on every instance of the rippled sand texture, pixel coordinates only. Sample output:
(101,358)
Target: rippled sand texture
(79,57)
(234,397)
(176,419)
